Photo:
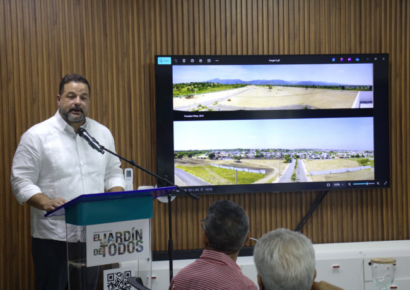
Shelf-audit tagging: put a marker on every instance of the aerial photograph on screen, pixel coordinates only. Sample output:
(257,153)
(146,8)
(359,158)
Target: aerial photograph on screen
(272,87)
(273,151)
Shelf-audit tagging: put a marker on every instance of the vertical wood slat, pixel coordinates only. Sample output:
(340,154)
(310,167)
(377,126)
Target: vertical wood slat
(113,43)
(4,199)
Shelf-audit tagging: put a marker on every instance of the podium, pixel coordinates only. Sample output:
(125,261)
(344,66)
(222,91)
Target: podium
(106,229)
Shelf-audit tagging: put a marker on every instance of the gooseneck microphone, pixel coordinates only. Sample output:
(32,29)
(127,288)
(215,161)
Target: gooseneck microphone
(94,144)
(91,141)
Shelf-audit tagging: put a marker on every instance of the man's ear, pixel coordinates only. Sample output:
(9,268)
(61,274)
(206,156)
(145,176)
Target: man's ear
(205,239)
(58,99)
(261,287)
(247,238)
(314,276)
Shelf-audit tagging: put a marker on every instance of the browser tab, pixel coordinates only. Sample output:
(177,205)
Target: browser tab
(164,60)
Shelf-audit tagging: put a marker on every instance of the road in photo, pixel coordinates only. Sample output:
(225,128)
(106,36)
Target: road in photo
(268,151)
(272,87)
(287,176)
(300,173)
(187,178)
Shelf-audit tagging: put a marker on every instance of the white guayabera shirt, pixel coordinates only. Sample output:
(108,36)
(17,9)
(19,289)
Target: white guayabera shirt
(53,160)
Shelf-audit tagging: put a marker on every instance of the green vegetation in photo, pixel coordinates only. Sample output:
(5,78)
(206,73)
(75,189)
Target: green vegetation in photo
(293,176)
(337,88)
(216,175)
(365,162)
(193,152)
(186,89)
(201,108)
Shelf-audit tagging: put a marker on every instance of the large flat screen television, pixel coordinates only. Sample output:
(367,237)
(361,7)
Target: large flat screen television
(270,123)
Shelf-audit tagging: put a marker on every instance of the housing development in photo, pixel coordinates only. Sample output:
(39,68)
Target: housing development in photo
(298,151)
(272,87)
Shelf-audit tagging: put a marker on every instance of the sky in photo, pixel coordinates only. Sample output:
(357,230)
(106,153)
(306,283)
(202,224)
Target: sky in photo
(347,74)
(329,133)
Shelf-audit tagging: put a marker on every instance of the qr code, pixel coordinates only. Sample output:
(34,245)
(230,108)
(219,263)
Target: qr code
(116,279)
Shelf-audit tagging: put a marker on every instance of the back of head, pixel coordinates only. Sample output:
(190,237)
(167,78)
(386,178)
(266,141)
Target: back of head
(285,260)
(226,226)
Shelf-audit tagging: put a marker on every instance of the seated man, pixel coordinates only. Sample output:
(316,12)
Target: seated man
(285,260)
(226,230)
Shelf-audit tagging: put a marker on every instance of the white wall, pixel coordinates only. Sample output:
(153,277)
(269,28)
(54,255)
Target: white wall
(345,265)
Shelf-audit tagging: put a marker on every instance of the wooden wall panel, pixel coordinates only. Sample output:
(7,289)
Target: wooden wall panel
(113,44)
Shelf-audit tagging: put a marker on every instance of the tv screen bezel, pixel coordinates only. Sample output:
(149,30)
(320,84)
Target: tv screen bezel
(165,116)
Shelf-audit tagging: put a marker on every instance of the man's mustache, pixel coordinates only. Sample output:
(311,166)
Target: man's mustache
(76,109)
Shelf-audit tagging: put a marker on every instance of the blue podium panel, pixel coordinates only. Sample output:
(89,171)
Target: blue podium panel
(100,208)
(116,210)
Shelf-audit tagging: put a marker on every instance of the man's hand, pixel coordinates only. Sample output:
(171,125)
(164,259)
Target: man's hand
(40,201)
(116,189)
(322,285)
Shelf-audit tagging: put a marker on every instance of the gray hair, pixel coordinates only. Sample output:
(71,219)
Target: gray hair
(285,260)
(226,226)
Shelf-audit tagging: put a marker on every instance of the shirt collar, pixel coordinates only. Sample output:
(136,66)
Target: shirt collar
(222,257)
(63,125)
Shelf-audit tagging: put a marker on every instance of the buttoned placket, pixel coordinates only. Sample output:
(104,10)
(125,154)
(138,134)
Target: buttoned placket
(79,230)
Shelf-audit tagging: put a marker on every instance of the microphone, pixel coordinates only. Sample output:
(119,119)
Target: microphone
(91,141)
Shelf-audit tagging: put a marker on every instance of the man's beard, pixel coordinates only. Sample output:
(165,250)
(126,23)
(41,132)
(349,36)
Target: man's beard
(73,119)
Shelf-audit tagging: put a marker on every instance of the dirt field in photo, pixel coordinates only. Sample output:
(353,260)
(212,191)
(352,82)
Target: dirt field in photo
(329,164)
(366,174)
(258,97)
(283,96)
(203,98)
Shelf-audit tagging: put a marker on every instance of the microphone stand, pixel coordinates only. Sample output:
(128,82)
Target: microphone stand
(193,196)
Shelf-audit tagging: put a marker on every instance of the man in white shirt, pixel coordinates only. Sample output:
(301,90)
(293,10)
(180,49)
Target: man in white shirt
(53,165)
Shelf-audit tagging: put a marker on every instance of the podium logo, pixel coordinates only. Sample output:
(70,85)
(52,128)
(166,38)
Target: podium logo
(118,243)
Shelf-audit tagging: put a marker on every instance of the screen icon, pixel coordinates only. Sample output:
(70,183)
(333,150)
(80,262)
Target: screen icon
(175,60)
(357,59)
(200,60)
(349,59)
(183,60)
(334,59)
(192,60)
(208,60)
(164,60)
(341,59)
